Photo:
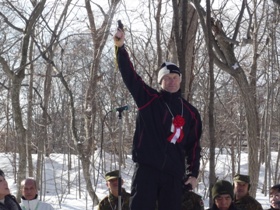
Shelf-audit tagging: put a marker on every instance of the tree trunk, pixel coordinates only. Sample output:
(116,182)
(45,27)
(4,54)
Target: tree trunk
(29,116)
(17,79)
(99,37)
(211,109)
(248,96)
(184,33)
(20,130)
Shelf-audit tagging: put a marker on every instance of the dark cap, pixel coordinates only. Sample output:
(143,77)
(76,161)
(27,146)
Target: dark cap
(241,178)
(222,187)
(2,173)
(275,188)
(112,175)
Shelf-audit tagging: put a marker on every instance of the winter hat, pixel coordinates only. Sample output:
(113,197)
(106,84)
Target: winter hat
(222,187)
(111,175)
(274,189)
(167,68)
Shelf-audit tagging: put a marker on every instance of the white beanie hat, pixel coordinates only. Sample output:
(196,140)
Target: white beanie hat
(167,68)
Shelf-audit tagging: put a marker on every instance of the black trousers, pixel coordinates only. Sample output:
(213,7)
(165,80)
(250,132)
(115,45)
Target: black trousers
(153,188)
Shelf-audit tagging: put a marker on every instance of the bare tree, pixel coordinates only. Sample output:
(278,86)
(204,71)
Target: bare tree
(99,37)
(211,107)
(226,59)
(184,31)
(17,75)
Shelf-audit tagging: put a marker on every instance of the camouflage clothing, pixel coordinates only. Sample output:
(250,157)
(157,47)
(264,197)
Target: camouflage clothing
(248,203)
(192,201)
(110,202)
(231,207)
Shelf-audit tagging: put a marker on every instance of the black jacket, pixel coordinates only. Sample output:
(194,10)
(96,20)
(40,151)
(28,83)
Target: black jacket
(10,203)
(153,124)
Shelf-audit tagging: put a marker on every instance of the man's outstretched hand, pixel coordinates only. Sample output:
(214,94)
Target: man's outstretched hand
(119,38)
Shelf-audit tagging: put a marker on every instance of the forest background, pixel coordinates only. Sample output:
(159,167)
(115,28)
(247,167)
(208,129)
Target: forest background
(59,83)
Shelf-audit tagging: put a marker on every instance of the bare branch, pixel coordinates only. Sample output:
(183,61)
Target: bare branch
(6,20)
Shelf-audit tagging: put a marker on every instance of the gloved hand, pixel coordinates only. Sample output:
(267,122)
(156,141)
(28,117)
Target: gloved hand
(119,38)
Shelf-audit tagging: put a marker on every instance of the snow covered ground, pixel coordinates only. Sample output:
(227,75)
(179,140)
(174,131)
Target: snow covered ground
(55,191)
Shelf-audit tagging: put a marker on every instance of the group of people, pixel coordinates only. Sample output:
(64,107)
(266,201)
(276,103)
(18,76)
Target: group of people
(190,200)
(29,199)
(166,146)
(226,195)
(234,196)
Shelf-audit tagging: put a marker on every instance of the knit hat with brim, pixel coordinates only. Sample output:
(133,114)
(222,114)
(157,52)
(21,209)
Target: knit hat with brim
(167,68)
(222,187)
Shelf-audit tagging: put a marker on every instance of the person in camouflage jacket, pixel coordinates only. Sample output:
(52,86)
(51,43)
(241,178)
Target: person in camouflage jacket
(242,199)
(222,195)
(110,202)
(192,201)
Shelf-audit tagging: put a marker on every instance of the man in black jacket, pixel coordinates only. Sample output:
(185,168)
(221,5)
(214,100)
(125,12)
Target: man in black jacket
(168,131)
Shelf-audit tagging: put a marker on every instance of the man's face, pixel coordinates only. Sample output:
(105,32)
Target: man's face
(223,201)
(4,189)
(274,199)
(113,186)
(171,82)
(29,190)
(240,189)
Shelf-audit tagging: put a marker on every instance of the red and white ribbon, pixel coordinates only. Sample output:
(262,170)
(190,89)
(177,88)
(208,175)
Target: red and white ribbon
(177,129)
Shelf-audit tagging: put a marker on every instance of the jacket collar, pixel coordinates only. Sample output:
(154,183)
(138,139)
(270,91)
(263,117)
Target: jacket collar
(167,96)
